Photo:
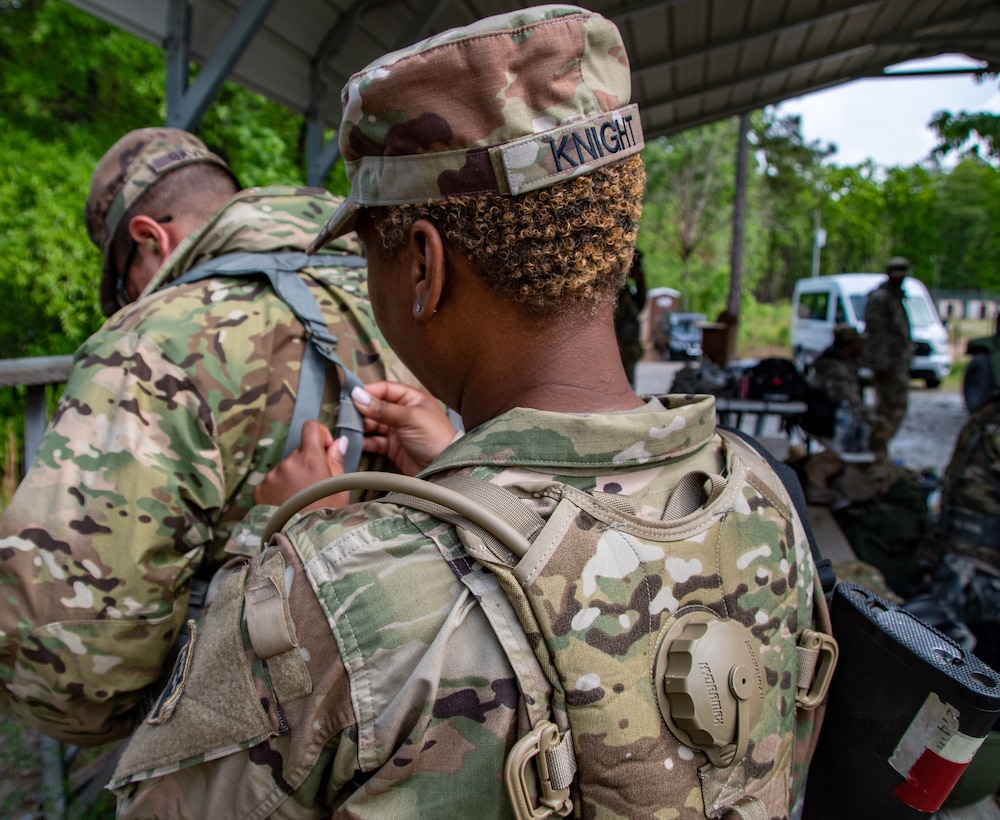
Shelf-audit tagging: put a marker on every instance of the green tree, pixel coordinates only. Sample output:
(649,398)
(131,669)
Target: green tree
(795,187)
(975,134)
(911,217)
(70,85)
(967,211)
(685,228)
(853,217)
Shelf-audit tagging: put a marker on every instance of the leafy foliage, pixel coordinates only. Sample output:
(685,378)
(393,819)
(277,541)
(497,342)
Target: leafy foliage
(970,135)
(794,187)
(966,213)
(688,197)
(70,86)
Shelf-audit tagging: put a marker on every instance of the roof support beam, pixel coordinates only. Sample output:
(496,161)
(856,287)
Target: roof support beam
(187,105)
(773,71)
(321,155)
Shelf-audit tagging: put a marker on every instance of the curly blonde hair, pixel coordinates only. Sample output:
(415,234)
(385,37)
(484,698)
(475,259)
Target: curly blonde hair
(551,250)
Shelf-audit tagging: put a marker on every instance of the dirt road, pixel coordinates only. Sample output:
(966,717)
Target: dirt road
(927,435)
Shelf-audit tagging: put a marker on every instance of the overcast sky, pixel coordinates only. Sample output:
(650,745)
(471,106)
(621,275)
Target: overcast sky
(886,120)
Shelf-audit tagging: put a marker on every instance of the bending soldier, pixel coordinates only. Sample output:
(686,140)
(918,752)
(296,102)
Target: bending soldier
(174,411)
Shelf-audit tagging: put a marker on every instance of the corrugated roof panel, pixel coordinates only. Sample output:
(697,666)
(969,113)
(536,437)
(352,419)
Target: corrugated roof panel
(693,60)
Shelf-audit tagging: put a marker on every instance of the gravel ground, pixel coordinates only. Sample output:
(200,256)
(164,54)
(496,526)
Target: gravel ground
(927,436)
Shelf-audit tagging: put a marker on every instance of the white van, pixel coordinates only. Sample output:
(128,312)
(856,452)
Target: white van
(822,302)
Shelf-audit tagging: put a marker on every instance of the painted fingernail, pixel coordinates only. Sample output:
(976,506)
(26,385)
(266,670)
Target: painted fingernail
(341,444)
(361,396)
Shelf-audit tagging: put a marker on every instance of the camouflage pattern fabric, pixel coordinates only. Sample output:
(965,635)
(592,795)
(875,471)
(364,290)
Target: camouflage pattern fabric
(126,173)
(535,96)
(969,523)
(888,349)
(387,693)
(174,411)
(837,375)
(891,398)
(887,331)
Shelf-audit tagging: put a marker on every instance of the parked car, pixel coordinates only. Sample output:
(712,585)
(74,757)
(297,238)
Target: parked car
(680,335)
(821,303)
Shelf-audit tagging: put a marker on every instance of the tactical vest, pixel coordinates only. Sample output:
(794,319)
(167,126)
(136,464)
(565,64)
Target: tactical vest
(625,676)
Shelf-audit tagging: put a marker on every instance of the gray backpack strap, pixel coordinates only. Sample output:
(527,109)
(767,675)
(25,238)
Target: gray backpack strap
(295,293)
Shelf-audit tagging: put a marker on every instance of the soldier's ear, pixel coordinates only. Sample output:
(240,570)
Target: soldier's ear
(152,235)
(428,268)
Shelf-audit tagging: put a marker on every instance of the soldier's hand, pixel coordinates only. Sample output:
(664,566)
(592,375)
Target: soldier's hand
(318,456)
(406,424)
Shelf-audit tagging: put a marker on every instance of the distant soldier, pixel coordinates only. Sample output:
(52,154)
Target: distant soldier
(965,544)
(888,351)
(835,370)
(969,523)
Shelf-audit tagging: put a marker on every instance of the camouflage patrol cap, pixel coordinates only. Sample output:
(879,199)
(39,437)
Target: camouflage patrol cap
(125,173)
(844,334)
(509,104)
(898,266)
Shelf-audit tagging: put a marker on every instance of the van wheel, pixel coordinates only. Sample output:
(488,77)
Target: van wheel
(977,385)
(932,382)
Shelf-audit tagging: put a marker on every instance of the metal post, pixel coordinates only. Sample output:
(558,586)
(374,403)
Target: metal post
(819,241)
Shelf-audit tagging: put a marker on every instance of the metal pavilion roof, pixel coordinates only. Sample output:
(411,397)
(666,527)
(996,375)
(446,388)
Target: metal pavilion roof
(693,61)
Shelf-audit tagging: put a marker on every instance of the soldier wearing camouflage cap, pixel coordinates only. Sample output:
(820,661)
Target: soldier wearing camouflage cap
(128,171)
(174,413)
(835,370)
(497,186)
(888,351)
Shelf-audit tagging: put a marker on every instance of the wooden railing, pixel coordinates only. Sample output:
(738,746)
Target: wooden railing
(36,374)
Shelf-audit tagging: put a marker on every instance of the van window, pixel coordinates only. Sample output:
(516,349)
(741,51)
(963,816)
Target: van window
(814,305)
(858,302)
(918,310)
(841,316)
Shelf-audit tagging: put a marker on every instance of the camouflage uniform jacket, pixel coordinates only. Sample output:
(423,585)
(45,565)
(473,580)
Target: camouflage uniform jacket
(387,693)
(969,523)
(837,376)
(173,413)
(888,347)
